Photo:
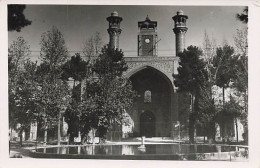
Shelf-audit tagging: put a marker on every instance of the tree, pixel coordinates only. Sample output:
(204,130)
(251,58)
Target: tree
(209,51)
(192,76)
(21,86)
(240,39)
(231,70)
(223,63)
(72,116)
(53,49)
(24,111)
(106,95)
(17,53)
(92,47)
(208,105)
(240,78)
(243,17)
(241,69)
(229,114)
(16,18)
(110,64)
(77,69)
(53,92)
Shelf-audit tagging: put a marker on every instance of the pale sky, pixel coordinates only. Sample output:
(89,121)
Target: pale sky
(79,22)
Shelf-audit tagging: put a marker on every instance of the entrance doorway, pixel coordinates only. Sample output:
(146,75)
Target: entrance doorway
(154,90)
(147,124)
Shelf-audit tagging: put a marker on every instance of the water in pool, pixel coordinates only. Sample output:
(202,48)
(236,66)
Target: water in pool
(170,149)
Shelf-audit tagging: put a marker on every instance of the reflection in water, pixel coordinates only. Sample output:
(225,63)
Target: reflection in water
(68,150)
(89,150)
(63,150)
(58,150)
(127,150)
(178,148)
(191,149)
(218,147)
(79,147)
(171,149)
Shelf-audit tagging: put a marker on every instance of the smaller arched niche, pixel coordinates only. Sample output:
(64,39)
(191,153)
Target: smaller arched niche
(147,96)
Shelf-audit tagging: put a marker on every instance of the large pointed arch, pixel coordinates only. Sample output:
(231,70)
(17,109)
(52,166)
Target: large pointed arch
(155,69)
(148,78)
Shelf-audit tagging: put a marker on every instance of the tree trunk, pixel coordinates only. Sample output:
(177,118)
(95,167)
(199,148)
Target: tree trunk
(211,131)
(71,138)
(195,107)
(191,128)
(11,134)
(204,133)
(93,134)
(45,136)
(236,129)
(45,132)
(192,103)
(191,121)
(21,137)
(59,123)
(223,92)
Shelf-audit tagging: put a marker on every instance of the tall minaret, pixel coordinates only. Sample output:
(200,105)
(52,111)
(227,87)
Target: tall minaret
(114,29)
(180,30)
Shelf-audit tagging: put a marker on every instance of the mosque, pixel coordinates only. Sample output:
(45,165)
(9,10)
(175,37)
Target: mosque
(159,111)
(155,112)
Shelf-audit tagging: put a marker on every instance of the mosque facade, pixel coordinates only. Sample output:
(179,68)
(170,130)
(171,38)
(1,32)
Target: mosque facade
(155,111)
(158,111)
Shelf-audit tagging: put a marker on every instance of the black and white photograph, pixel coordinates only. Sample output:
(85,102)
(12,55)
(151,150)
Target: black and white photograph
(128,82)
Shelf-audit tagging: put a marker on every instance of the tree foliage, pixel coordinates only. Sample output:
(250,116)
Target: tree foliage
(53,95)
(191,72)
(53,49)
(231,110)
(72,116)
(92,47)
(110,64)
(16,18)
(243,17)
(192,78)
(226,69)
(223,62)
(107,95)
(77,69)
(21,86)
(240,78)
(209,52)
(17,53)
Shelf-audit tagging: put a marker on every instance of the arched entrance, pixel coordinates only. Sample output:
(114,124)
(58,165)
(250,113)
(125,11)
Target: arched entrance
(152,108)
(147,124)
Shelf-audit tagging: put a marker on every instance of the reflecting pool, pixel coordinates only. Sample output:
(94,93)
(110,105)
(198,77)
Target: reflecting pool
(150,149)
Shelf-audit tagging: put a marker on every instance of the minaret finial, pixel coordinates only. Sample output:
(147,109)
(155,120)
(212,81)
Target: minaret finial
(114,29)
(147,18)
(180,29)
